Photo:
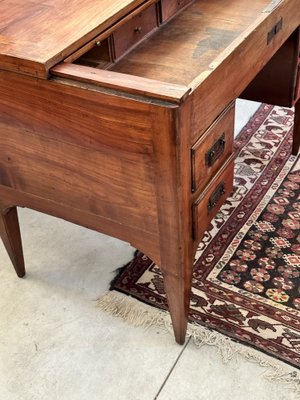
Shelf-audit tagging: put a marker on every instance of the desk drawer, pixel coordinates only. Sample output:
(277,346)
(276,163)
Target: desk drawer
(134,30)
(212,149)
(297,92)
(211,199)
(171,7)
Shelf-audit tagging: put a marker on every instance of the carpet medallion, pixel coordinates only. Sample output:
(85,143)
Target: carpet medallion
(246,278)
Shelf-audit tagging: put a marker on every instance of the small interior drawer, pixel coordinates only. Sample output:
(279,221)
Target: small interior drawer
(213,148)
(134,30)
(211,199)
(171,7)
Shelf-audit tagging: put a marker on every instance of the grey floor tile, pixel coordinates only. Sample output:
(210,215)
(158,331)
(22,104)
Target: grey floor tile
(54,343)
(200,374)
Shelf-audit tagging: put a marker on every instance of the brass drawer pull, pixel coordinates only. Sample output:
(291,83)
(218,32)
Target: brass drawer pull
(216,195)
(215,151)
(138,29)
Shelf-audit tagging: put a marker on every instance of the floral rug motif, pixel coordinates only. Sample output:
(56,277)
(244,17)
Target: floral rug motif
(246,278)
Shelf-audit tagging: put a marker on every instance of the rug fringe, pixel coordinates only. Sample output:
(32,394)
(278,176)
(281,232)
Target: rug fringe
(142,315)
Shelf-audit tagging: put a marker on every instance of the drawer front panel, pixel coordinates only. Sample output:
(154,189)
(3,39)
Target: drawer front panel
(134,30)
(210,201)
(297,92)
(213,149)
(171,7)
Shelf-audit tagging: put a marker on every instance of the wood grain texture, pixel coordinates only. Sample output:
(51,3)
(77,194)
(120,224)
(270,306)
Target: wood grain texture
(82,148)
(148,243)
(173,182)
(57,26)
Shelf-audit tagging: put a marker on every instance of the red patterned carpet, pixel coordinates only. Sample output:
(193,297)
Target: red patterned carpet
(246,280)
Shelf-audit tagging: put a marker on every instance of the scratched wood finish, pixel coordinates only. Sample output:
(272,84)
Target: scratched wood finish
(58,27)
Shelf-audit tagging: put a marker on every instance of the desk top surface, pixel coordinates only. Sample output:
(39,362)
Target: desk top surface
(37,34)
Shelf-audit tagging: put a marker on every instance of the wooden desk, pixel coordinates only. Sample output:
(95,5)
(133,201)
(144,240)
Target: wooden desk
(118,115)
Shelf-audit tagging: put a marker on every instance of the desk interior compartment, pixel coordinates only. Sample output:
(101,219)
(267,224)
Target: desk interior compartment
(182,51)
(100,55)
(112,44)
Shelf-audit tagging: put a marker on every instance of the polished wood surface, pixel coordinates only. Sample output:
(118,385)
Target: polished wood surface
(121,119)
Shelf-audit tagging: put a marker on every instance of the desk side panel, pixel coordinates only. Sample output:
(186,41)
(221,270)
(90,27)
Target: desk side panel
(79,148)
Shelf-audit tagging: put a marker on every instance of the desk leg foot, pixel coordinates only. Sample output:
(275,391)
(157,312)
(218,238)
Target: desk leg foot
(296,136)
(178,290)
(11,237)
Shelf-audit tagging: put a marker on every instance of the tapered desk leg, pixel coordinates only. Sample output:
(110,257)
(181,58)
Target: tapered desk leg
(177,270)
(178,290)
(296,137)
(11,237)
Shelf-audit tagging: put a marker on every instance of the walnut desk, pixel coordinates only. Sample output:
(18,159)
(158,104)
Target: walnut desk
(118,115)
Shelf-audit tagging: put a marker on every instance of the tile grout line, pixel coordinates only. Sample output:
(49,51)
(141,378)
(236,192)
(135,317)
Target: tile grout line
(172,369)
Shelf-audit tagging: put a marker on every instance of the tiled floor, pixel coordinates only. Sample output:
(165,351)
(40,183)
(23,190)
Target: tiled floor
(56,345)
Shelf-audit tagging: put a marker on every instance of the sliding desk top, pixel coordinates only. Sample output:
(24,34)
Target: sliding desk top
(37,34)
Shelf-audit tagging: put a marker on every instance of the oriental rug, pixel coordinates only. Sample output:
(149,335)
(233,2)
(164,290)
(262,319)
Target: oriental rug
(246,278)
